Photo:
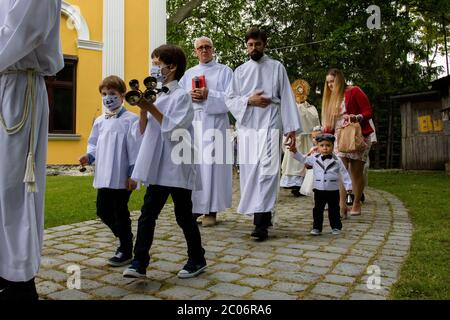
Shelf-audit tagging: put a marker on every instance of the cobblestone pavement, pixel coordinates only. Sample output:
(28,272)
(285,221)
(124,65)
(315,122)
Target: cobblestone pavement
(290,265)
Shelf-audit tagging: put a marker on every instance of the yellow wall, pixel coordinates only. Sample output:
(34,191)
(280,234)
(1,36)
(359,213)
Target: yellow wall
(89,70)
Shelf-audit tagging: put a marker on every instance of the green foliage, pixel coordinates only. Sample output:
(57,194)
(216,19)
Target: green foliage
(319,35)
(426,273)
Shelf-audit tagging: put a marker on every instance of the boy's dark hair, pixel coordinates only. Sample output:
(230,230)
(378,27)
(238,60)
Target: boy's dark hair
(171,54)
(256,33)
(113,82)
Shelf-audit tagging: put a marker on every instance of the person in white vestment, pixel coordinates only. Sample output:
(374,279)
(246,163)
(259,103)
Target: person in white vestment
(262,102)
(113,147)
(210,131)
(293,171)
(30,48)
(165,163)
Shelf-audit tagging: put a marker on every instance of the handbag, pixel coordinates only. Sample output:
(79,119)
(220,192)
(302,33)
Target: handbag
(307,184)
(350,138)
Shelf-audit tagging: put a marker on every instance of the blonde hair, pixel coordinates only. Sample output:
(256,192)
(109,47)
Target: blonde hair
(332,100)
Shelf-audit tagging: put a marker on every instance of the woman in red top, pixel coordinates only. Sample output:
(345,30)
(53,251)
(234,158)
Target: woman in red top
(342,104)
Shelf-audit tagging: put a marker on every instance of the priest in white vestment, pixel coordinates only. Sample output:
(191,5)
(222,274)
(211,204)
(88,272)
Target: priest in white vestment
(210,131)
(261,100)
(293,171)
(30,49)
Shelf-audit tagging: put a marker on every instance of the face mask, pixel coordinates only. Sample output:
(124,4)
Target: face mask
(156,71)
(111,102)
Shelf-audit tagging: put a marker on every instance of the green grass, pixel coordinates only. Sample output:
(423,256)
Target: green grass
(72,199)
(426,272)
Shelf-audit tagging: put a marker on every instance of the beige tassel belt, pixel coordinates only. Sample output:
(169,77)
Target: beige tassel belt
(29,101)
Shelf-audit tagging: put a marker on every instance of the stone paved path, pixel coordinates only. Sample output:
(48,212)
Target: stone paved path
(290,265)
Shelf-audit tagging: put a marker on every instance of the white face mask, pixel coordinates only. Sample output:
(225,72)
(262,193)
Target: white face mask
(156,71)
(112,102)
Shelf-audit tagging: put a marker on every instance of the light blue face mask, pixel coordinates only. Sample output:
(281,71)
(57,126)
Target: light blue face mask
(156,71)
(111,102)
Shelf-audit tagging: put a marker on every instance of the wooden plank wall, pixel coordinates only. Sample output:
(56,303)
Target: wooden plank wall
(422,151)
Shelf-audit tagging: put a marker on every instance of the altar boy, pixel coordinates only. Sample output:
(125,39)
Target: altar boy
(167,126)
(113,148)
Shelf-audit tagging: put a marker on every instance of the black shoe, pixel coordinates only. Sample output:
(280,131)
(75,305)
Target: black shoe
(120,259)
(260,233)
(363,197)
(296,193)
(192,269)
(19,291)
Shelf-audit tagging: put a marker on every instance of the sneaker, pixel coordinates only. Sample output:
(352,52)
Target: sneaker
(316,232)
(335,231)
(135,271)
(191,270)
(120,259)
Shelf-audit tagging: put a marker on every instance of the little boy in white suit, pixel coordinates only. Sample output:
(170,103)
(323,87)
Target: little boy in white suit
(329,172)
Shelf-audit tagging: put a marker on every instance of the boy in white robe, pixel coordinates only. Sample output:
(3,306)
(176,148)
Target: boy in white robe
(165,163)
(30,48)
(114,148)
(211,124)
(262,102)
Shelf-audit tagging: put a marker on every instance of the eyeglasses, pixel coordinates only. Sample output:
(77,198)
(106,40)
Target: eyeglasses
(201,48)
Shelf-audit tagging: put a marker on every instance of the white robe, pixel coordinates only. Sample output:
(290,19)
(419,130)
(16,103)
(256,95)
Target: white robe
(292,170)
(259,178)
(115,149)
(29,38)
(157,162)
(209,115)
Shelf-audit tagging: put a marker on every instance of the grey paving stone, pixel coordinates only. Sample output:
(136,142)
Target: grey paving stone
(230,267)
(289,252)
(298,277)
(365,296)
(225,276)
(110,292)
(95,262)
(53,275)
(185,293)
(338,279)
(48,287)
(284,266)
(139,297)
(349,269)
(70,295)
(255,282)
(255,271)
(143,286)
(230,289)
(229,258)
(172,257)
(87,285)
(73,257)
(315,269)
(272,295)
(253,262)
(331,290)
(116,279)
(319,262)
(292,288)
(322,255)
(166,266)
(198,283)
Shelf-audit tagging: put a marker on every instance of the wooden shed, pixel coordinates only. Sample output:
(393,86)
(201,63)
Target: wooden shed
(426,127)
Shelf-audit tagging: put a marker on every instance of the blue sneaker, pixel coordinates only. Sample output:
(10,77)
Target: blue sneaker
(191,269)
(135,271)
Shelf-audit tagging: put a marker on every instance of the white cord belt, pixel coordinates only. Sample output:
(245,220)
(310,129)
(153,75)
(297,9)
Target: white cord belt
(29,101)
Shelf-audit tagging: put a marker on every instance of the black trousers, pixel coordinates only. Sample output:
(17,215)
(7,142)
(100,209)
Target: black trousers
(112,209)
(321,198)
(154,200)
